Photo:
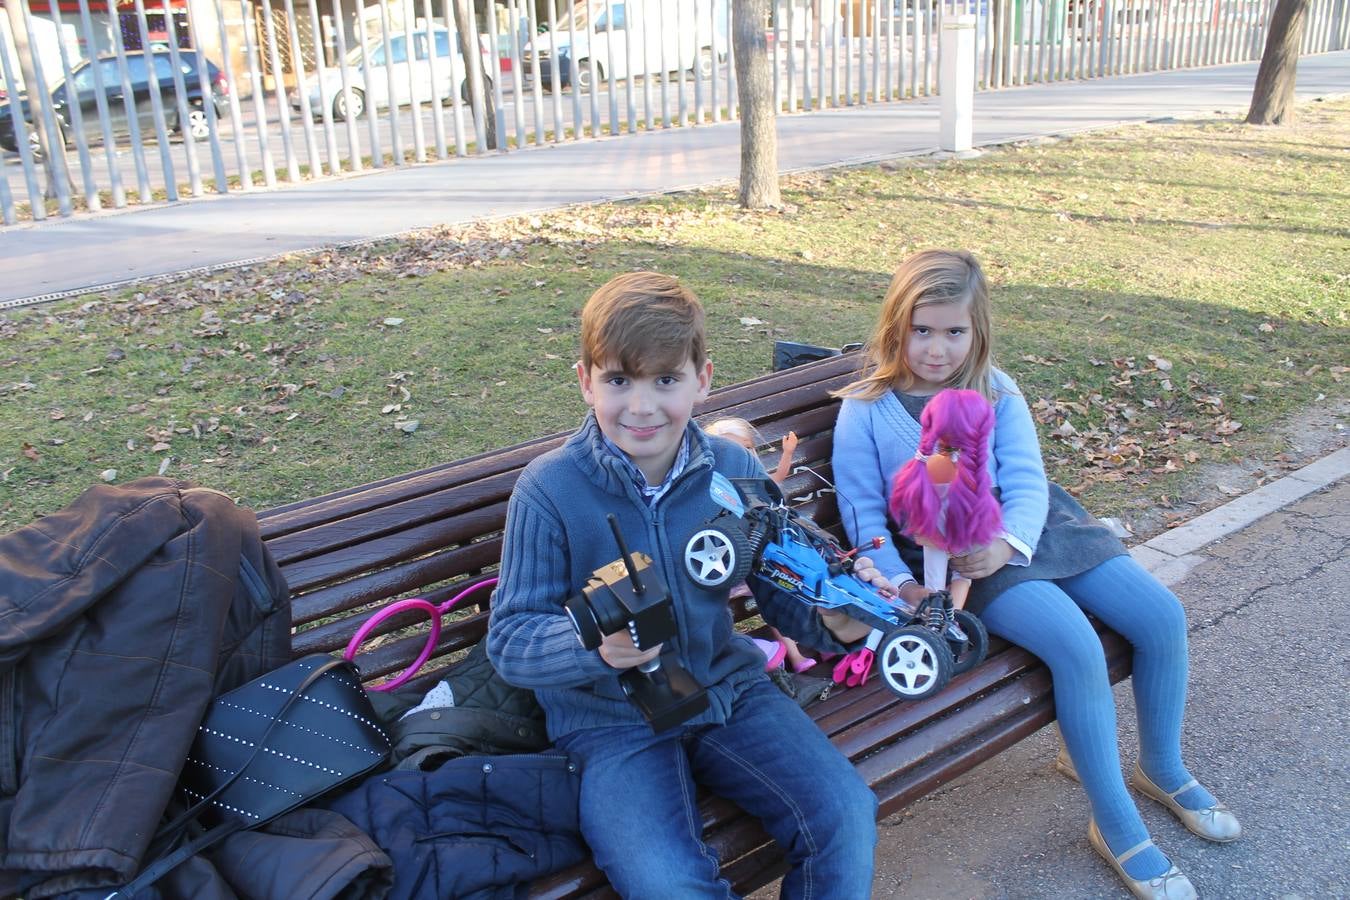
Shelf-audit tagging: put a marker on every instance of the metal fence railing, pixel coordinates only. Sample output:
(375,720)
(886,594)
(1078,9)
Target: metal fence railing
(116,102)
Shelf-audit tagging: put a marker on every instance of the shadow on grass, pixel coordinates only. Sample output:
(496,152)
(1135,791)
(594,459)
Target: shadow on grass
(1100,219)
(1299,153)
(1134,178)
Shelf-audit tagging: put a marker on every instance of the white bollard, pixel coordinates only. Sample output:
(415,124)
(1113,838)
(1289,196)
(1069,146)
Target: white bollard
(957,85)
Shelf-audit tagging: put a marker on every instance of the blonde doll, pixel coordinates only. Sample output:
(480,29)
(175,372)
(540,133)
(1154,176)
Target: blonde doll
(782,650)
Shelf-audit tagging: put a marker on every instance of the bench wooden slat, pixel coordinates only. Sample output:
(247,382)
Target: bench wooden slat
(335,506)
(398,517)
(395,547)
(406,579)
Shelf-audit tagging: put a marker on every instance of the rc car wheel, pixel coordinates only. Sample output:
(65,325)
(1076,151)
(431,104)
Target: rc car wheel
(717,555)
(914,662)
(968,655)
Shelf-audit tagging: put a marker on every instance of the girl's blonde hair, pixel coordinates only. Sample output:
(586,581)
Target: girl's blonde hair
(737,429)
(927,277)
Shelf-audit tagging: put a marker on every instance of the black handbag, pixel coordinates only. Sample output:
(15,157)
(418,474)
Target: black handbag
(267,747)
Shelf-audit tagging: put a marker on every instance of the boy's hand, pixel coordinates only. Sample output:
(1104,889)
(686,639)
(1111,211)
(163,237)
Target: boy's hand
(980,562)
(619,652)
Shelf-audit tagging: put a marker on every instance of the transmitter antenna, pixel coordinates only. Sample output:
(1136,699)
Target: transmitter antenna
(638,587)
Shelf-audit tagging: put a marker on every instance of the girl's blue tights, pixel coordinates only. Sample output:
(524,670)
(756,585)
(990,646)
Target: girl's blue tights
(1047,619)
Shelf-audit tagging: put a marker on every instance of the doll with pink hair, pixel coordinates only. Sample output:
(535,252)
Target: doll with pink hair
(942,498)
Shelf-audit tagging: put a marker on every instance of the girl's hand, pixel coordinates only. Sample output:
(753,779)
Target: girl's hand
(981,562)
(866,571)
(618,651)
(913,593)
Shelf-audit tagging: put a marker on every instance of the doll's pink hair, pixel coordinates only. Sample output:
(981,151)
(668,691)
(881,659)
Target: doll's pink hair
(962,420)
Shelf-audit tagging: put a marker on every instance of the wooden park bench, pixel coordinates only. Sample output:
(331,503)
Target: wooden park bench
(431,533)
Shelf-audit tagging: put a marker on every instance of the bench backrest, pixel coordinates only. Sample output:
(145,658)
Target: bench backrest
(434,532)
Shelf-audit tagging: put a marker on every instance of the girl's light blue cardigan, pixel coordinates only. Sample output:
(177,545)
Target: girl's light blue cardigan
(874,438)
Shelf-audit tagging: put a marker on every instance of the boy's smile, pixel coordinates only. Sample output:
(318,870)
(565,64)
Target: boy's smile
(645,414)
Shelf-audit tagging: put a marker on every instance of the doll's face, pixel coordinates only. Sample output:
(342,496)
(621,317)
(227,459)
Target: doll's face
(941,465)
(937,345)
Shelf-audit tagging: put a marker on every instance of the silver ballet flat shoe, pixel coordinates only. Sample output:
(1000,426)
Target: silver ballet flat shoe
(1170,885)
(1064,764)
(1215,823)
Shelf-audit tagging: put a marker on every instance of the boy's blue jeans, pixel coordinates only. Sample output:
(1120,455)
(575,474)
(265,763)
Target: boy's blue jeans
(640,817)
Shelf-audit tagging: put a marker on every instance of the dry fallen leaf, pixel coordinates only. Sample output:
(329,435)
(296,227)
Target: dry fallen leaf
(29,452)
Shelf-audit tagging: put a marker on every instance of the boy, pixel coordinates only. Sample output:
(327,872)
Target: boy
(638,456)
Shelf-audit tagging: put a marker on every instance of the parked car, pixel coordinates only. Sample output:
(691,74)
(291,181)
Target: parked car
(664,34)
(82,88)
(410,78)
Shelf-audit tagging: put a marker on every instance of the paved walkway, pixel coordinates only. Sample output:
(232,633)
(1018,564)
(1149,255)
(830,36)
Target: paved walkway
(72,255)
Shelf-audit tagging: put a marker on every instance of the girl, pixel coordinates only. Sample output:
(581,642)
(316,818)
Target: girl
(1049,565)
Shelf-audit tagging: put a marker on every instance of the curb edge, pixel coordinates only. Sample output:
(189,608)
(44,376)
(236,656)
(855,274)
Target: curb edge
(1171,555)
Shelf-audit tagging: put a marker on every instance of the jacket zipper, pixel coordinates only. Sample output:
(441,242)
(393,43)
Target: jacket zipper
(254,585)
(9,732)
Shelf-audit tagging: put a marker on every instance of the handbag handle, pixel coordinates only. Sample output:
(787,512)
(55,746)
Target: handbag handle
(433,613)
(165,864)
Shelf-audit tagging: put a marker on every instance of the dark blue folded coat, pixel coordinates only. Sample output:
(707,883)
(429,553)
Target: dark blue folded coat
(476,827)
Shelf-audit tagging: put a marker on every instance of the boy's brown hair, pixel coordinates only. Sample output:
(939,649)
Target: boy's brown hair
(643,322)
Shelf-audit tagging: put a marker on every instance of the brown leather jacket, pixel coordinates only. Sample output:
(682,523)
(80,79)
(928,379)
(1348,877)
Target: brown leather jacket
(121,616)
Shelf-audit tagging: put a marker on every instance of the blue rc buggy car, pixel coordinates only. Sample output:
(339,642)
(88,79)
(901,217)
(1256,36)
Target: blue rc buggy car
(759,536)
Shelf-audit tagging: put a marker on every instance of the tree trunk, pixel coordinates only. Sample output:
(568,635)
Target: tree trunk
(759,129)
(473,68)
(52,147)
(1273,96)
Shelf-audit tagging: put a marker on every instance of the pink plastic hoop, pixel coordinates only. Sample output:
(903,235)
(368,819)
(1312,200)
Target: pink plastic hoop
(433,613)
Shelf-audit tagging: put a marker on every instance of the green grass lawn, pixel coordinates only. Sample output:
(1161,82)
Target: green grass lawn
(1166,294)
